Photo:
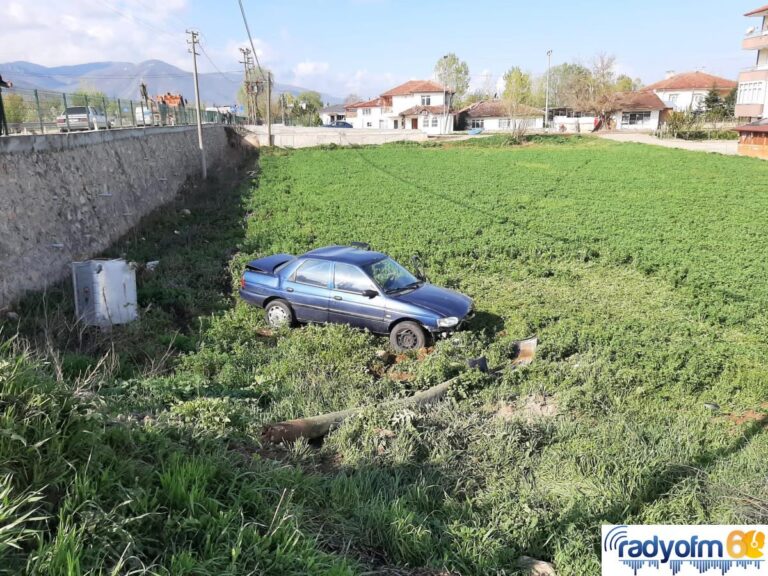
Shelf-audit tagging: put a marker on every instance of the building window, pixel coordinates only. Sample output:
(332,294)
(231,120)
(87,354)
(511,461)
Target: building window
(477,123)
(673,98)
(505,123)
(635,118)
(369,124)
(434,121)
(751,93)
(366,111)
(426,99)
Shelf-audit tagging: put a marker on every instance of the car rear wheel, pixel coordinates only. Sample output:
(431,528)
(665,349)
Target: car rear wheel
(407,336)
(279,314)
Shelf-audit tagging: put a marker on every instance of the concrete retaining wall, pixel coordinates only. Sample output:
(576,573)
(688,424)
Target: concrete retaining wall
(301,137)
(68,197)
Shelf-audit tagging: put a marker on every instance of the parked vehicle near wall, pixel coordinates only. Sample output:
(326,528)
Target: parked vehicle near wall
(81,118)
(143,116)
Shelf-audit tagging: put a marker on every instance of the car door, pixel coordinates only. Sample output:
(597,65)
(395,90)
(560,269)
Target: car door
(307,289)
(349,305)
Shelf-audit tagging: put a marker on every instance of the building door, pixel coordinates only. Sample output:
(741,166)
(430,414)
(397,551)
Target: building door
(414,123)
(395,124)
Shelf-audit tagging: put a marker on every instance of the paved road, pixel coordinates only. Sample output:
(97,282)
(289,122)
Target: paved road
(719,146)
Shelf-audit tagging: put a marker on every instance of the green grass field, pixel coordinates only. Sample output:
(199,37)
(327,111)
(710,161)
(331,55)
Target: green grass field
(642,270)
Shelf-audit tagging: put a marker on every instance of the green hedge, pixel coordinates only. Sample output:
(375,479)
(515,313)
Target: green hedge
(701,134)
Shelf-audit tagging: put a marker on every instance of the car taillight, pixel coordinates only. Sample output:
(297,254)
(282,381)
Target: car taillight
(242,282)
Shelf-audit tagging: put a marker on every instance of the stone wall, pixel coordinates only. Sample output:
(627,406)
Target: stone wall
(67,197)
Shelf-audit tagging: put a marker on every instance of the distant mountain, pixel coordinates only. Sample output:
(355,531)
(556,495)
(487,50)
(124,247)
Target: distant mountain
(121,80)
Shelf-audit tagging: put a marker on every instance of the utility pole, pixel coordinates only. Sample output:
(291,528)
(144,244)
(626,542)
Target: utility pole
(269,107)
(193,41)
(546,113)
(246,89)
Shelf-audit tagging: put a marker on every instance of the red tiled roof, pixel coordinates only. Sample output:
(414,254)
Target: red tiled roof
(693,81)
(414,86)
(759,126)
(638,101)
(500,109)
(416,110)
(758,12)
(375,103)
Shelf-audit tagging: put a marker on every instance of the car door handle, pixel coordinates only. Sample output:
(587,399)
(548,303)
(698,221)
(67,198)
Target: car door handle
(289,289)
(337,297)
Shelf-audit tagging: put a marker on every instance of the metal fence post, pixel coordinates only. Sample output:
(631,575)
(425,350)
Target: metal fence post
(66,114)
(120,112)
(133,115)
(39,114)
(104,109)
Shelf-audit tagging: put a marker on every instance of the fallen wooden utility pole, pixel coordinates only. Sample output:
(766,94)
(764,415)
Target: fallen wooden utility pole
(318,426)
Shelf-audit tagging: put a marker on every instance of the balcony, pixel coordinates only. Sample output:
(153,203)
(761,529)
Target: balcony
(755,40)
(749,111)
(754,74)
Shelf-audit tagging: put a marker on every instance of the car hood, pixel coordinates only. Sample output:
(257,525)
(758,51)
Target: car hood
(441,301)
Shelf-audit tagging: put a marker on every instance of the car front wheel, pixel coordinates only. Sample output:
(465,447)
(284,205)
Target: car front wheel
(279,314)
(407,336)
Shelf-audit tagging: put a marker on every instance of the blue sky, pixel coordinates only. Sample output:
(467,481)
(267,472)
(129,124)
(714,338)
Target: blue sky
(365,46)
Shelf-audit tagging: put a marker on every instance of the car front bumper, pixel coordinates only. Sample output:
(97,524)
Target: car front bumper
(463,322)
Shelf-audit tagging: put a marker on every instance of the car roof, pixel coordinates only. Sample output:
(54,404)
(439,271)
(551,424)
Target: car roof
(346,254)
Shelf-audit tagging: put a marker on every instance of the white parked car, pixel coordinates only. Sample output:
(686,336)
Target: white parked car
(143,116)
(81,118)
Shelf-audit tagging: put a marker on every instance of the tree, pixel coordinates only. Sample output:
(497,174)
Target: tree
(729,103)
(713,105)
(626,84)
(16,111)
(306,107)
(566,81)
(518,86)
(453,73)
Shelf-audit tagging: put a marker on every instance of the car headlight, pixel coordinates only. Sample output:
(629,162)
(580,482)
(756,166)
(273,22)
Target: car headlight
(449,322)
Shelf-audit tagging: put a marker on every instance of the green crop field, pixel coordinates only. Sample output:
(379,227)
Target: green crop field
(642,270)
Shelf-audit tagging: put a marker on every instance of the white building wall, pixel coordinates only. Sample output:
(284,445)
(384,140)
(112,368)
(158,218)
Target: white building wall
(496,124)
(684,100)
(367,121)
(566,124)
(651,124)
(400,103)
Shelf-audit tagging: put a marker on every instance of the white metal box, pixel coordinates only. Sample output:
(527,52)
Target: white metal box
(105,292)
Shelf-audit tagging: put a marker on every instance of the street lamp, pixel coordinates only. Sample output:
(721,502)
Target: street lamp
(546,111)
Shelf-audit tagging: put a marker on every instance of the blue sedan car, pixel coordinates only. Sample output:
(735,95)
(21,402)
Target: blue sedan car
(356,286)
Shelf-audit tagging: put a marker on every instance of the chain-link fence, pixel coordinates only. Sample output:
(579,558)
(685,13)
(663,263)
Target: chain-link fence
(29,111)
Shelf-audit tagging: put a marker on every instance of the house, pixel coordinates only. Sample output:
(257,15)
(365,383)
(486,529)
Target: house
(752,100)
(415,105)
(641,110)
(687,91)
(493,115)
(753,139)
(365,114)
(332,113)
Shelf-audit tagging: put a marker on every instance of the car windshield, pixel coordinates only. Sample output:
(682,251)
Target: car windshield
(76,110)
(391,276)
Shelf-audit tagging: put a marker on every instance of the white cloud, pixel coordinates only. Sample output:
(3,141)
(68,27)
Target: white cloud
(304,69)
(56,33)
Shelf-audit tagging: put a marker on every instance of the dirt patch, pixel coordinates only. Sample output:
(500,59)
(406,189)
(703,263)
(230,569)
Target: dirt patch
(750,416)
(530,408)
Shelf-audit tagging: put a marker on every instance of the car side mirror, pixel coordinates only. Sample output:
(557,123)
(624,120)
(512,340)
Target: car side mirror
(420,275)
(370,293)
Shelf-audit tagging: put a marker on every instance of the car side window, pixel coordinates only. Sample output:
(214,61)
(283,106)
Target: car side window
(314,273)
(351,279)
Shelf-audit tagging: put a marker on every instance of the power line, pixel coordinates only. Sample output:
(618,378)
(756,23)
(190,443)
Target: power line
(250,38)
(139,21)
(202,49)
